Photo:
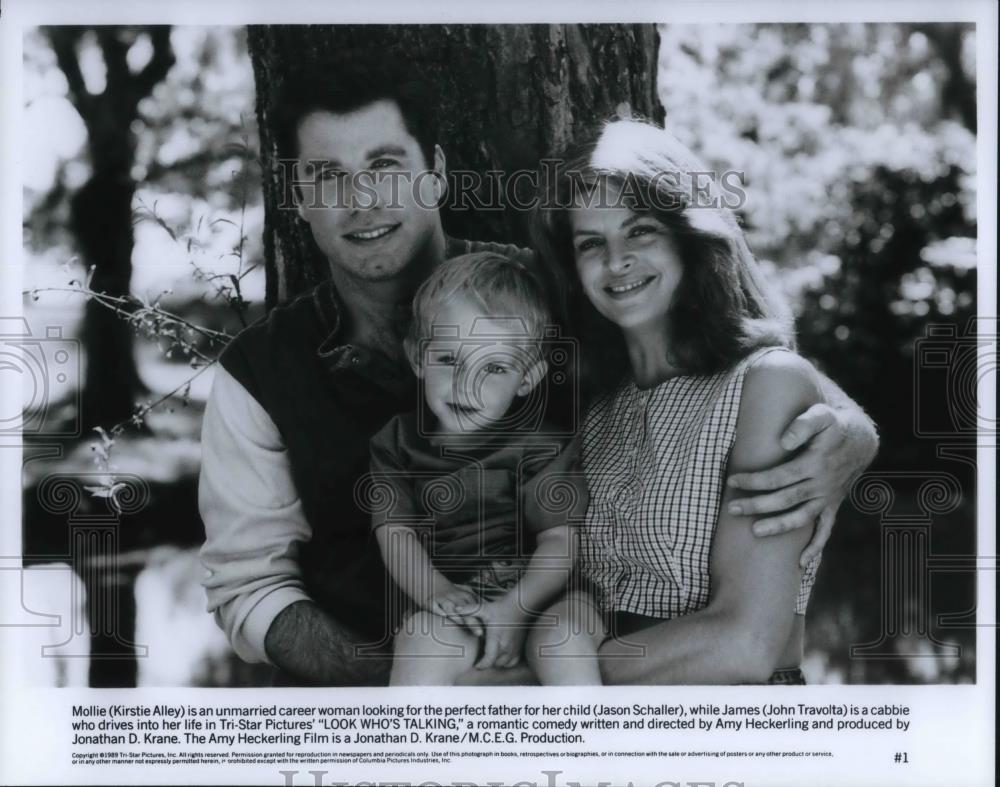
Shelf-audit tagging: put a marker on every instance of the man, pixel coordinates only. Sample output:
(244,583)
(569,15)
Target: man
(294,576)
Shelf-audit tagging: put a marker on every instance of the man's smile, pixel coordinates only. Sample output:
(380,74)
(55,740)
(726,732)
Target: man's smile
(371,233)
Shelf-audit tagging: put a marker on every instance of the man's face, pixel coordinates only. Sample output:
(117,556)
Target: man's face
(475,366)
(371,211)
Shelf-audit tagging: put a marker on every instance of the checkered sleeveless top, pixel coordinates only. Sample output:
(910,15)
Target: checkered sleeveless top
(655,462)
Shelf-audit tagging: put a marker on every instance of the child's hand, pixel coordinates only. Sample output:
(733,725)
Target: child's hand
(506,627)
(457,604)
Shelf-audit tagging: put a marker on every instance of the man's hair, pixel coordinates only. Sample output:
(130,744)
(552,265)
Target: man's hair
(501,287)
(350,87)
(723,308)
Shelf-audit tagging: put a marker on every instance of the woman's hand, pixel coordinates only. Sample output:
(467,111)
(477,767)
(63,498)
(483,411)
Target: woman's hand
(837,445)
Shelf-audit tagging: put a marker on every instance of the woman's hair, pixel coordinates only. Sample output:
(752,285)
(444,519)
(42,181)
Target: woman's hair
(722,308)
(500,286)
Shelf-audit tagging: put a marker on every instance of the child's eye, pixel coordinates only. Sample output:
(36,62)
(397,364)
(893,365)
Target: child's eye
(494,368)
(444,359)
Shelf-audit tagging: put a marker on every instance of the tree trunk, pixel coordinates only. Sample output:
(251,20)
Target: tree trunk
(101,211)
(959,95)
(509,95)
(101,217)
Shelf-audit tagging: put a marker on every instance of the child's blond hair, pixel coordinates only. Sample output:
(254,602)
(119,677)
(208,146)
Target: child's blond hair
(502,287)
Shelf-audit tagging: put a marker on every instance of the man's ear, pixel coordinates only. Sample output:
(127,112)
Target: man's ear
(441,170)
(297,194)
(533,377)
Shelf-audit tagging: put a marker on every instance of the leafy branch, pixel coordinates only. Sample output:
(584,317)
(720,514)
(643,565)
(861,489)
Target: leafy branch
(172,333)
(148,318)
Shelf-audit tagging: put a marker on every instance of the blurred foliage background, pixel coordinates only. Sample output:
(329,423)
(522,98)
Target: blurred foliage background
(857,148)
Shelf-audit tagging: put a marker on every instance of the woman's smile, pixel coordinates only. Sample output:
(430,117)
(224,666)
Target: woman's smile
(627,262)
(626,288)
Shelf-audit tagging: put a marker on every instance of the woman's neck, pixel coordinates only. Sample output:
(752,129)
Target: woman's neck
(649,355)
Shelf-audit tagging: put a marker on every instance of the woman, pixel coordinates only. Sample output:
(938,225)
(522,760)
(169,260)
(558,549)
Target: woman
(692,378)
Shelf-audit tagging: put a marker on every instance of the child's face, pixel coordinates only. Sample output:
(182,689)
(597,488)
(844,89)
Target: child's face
(474,365)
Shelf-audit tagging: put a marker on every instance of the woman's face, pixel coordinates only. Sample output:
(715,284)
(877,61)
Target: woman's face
(628,264)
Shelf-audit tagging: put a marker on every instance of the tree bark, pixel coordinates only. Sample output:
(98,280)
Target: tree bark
(958,97)
(101,211)
(508,95)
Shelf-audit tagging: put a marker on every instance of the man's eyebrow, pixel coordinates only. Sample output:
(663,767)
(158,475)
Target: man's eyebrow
(386,150)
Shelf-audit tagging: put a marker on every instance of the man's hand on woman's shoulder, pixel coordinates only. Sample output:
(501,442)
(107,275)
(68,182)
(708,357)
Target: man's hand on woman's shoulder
(830,449)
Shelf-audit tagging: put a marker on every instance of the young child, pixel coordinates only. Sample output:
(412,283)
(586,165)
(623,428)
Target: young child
(465,530)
